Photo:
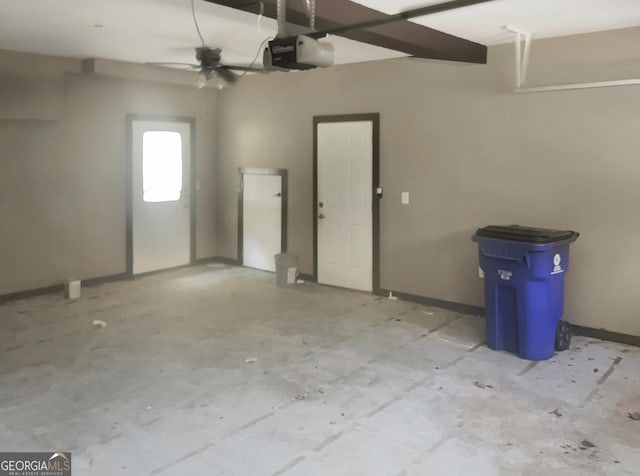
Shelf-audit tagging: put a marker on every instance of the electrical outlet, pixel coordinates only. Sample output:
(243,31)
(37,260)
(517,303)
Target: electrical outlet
(405,198)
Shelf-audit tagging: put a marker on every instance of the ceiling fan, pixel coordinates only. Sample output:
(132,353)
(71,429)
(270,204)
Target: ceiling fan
(210,63)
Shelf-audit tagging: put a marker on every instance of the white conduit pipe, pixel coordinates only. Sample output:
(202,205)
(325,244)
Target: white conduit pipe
(522,58)
(567,87)
(522,63)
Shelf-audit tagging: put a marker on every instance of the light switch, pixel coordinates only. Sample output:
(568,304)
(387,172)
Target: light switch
(405,198)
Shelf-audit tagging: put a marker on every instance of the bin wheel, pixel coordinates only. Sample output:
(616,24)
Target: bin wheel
(563,336)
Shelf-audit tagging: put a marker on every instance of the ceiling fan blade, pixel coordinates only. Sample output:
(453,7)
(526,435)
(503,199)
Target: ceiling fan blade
(406,15)
(249,69)
(224,73)
(162,63)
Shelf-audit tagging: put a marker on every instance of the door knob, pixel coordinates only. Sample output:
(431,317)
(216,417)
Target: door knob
(321,216)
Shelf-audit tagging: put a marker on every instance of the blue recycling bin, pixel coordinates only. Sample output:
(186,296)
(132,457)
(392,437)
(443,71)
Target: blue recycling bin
(524,271)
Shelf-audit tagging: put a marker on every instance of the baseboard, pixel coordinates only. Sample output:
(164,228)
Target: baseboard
(59,288)
(199,261)
(146,274)
(30,293)
(105,279)
(606,335)
(479,311)
(427,301)
(220,259)
(423,300)
(235,262)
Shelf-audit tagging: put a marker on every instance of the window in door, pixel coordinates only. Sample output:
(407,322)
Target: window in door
(161,166)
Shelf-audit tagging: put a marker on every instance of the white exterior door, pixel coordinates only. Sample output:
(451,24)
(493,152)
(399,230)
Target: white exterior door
(344,214)
(160,199)
(261,220)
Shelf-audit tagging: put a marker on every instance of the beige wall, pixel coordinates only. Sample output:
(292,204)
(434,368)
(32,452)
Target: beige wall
(471,153)
(63,181)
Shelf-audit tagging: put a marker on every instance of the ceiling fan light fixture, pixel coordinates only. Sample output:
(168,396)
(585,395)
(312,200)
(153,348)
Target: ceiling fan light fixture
(202,81)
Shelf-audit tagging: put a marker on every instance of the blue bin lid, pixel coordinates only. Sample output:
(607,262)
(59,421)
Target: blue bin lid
(526,234)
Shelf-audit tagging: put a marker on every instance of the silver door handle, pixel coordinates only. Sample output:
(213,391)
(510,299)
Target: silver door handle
(321,216)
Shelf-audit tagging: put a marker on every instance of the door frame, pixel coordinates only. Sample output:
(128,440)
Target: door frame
(191,121)
(374,118)
(283,205)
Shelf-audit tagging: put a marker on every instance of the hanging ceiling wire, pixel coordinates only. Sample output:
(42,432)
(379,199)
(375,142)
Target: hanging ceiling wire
(195,22)
(259,22)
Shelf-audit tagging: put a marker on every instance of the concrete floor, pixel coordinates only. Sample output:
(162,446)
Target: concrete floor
(342,383)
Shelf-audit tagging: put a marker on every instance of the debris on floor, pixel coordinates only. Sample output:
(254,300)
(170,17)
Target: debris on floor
(429,313)
(584,444)
(392,297)
(410,401)
(99,324)
(634,416)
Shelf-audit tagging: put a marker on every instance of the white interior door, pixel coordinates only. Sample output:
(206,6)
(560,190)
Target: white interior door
(262,220)
(161,214)
(345,216)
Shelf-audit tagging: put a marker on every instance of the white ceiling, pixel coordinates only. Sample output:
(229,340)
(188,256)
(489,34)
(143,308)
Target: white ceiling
(162,30)
(543,18)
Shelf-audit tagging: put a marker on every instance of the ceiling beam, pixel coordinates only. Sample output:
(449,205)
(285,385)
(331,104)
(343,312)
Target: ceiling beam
(404,36)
